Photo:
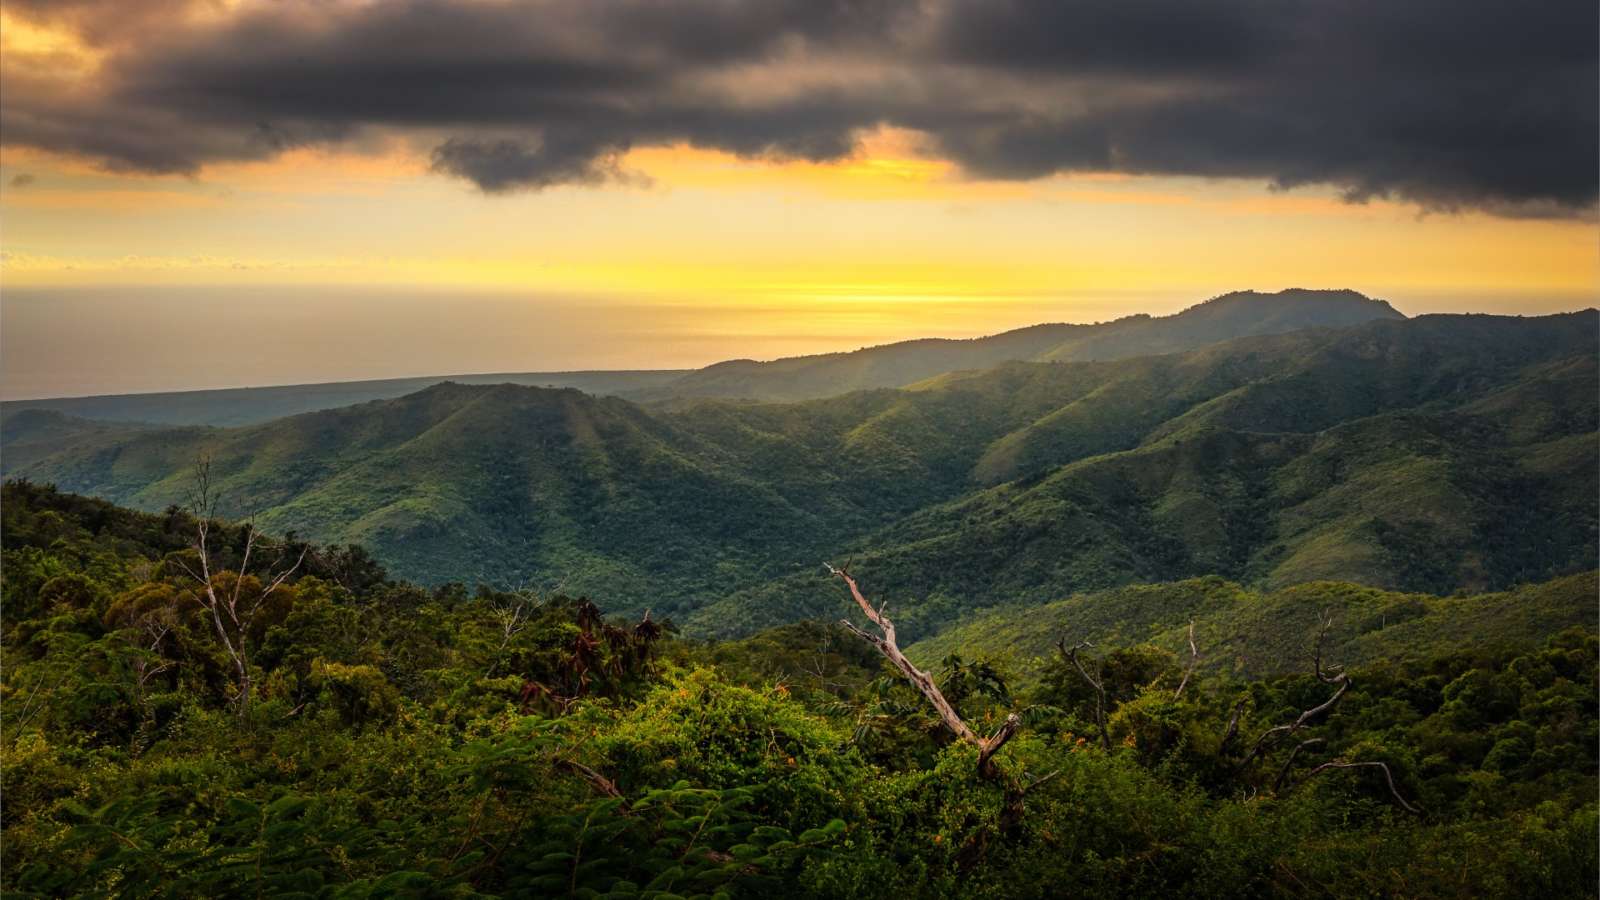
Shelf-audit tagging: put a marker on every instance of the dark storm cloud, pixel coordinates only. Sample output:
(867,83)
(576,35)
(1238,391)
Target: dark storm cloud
(1488,105)
(507,164)
(1445,104)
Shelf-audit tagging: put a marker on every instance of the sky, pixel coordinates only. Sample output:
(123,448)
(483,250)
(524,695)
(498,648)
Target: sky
(199,193)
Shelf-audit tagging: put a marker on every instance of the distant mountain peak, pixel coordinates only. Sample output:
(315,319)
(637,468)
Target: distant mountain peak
(1298,295)
(1236,314)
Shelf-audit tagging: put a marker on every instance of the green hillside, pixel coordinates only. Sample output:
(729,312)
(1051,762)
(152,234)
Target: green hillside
(1414,473)
(247,406)
(1432,454)
(27,435)
(354,735)
(1249,634)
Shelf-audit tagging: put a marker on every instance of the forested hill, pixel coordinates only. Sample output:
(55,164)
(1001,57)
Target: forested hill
(250,405)
(1239,314)
(335,733)
(806,377)
(1435,454)
(1249,634)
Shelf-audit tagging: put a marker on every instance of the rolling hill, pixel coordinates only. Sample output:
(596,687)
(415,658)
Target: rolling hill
(1424,469)
(798,378)
(1430,454)
(247,406)
(1245,634)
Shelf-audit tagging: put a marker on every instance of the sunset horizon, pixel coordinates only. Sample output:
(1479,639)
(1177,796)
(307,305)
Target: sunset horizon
(801,178)
(661,336)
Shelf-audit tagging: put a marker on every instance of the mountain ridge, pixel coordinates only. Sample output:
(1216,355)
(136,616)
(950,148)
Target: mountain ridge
(1231,315)
(893,364)
(1447,462)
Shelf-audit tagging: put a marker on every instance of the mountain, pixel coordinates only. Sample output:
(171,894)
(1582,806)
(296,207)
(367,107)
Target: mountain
(1430,454)
(477,483)
(805,377)
(1238,314)
(30,434)
(247,406)
(1397,454)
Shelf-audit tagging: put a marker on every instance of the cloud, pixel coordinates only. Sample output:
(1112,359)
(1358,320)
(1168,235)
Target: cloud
(503,165)
(22,180)
(1468,104)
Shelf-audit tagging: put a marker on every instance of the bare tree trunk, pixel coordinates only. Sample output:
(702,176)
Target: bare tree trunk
(923,682)
(1327,675)
(601,783)
(226,611)
(1288,764)
(1097,683)
(1232,730)
(1194,659)
(1387,777)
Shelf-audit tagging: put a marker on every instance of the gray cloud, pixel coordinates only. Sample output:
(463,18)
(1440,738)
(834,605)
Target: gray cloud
(22,180)
(1484,104)
(496,166)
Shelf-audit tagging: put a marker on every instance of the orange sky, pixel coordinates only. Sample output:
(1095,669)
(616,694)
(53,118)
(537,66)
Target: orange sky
(708,228)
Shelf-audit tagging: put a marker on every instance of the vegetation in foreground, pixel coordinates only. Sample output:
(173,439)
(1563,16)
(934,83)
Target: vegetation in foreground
(397,741)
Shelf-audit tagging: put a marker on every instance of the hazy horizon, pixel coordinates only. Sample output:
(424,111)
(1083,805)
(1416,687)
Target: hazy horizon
(73,342)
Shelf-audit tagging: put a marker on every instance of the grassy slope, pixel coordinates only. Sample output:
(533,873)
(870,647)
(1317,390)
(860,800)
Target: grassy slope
(1251,634)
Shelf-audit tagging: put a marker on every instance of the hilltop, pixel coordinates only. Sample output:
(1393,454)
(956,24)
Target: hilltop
(1234,315)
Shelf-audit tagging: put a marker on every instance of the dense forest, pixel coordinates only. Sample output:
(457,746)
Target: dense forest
(195,708)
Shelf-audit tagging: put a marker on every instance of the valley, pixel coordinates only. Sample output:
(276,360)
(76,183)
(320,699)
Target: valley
(1433,454)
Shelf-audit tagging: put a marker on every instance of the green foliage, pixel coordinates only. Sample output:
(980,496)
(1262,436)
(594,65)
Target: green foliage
(447,743)
(1252,634)
(676,841)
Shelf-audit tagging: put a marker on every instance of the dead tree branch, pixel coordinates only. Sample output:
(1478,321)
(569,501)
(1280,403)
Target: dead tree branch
(1012,811)
(228,612)
(1387,777)
(1288,764)
(33,705)
(922,681)
(1232,730)
(1333,675)
(1194,659)
(601,783)
(1098,684)
(512,617)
